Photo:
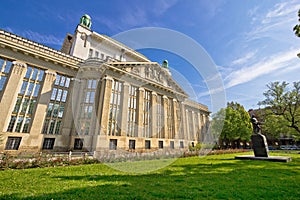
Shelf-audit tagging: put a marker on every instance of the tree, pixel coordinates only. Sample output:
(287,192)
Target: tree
(296,28)
(236,125)
(283,101)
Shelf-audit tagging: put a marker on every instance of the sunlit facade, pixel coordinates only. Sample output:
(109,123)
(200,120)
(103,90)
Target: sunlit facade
(95,94)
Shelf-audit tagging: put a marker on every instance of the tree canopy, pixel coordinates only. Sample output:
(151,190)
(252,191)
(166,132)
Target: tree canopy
(282,102)
(296,28)
(236,124)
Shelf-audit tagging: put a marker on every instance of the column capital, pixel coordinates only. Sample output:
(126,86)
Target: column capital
(126,84)
(18,67)
(165,97)
(108,78)
(19,63)
(50,75)
(154,93)
(141,89)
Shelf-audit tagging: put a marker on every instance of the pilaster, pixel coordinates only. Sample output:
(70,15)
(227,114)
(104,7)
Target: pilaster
(154,115)
(41,109)
(104,110)
(165,111)
(193,135)
(140,106)
(175,120)
(183,122)
(199,128)
(10,93)
(124,108)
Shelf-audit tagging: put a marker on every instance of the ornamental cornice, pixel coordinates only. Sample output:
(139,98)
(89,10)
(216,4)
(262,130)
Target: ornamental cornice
(26,46)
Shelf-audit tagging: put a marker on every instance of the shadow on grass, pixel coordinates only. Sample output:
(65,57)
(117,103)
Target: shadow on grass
(214,179)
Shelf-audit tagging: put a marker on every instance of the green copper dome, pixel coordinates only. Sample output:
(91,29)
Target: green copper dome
(165,64)
(86,21)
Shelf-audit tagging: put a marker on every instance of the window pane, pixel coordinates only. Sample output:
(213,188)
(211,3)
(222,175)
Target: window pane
(41,75)
(57,79)
(30,89)
(64,97)
(50,108)
(67,82)
(23,88)
(59,93)
(31,106)
(19,124)
(61,111)
(28,72)
(7,67)
(62,81)
(36,90)
(53,95)
(34,74)
(92,96)
(2,82)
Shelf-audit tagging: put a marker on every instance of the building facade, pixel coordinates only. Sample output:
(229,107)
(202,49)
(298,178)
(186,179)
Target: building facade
(94,94)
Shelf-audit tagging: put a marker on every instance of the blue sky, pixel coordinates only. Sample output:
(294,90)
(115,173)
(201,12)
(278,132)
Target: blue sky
(250,41)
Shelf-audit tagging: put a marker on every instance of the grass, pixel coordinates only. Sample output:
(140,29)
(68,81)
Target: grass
(209,177)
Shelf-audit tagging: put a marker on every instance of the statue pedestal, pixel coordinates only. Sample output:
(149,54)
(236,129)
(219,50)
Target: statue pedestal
(259,145)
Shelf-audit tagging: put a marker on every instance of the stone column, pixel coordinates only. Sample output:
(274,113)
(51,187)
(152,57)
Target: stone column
(140,112)
(77,97)
(194,137)
(101,141)
(199,128)
(187,125)
(41,110)
(10,93)
(154,115)
(175,121)
(124,108)
(105,100)
(183,122)
(165,111)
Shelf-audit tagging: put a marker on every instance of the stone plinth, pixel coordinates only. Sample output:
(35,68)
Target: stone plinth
(270,158)
(259,145)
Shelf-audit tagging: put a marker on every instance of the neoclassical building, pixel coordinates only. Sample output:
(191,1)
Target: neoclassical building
(94,94)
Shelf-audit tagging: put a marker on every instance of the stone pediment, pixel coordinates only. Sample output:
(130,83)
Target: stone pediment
(152,72)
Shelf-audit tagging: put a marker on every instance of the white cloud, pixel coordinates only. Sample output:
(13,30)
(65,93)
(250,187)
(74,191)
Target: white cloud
(44,39)
(279,19)
(244,59)
(264,67)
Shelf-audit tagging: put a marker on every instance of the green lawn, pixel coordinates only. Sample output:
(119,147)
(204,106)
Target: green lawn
(210,177)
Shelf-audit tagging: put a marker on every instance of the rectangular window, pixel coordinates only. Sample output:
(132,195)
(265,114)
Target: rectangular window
(114,109)
(181,144)
(113,144)
(147,144)
(5,66)
(172,144)
(78,144)
(56,106)
(131,126)
(48,143)
(131,144)
(161,144)
(13,143)
(90,53)
(26,101)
